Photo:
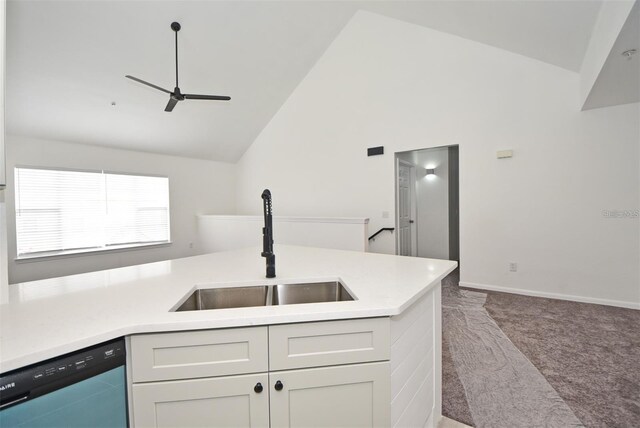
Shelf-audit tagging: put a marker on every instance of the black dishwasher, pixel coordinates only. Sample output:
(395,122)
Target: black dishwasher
(86,388)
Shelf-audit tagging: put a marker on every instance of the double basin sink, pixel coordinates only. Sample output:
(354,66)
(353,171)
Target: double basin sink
(265,295)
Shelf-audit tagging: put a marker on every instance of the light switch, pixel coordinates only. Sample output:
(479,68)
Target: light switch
(504,154)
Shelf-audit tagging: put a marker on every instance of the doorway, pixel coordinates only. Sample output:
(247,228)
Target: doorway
(427,203)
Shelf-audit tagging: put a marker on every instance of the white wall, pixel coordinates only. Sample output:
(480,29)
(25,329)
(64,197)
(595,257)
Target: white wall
(432,200)
(195,186)
(385,82)
(4,276)
(230,232)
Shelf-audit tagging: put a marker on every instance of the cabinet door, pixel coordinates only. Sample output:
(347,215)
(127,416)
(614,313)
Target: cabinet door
(211,402)
(341,396)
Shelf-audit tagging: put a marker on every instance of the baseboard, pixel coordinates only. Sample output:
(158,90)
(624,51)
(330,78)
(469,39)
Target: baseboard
(430,422)
(581,299)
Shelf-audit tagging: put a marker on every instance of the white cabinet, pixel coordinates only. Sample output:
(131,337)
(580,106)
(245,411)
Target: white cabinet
(4,279)
(231,401)
(193,379)
(341,396)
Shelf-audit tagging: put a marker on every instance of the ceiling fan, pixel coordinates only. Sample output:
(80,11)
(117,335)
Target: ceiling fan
(176,95)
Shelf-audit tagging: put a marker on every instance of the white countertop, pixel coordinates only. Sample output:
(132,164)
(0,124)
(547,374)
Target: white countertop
(44,319)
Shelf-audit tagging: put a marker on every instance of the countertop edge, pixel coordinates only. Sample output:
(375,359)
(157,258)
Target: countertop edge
(193,325)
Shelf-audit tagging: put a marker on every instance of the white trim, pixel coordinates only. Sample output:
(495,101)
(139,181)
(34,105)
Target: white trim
(94,171)
(396,166)
(414,210)
(581,299)
(289,219)
(39,257)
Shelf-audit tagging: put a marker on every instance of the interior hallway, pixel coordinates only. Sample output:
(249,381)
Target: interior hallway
(587,353)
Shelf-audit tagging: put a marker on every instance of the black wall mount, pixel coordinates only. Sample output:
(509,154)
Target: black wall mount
(375,151)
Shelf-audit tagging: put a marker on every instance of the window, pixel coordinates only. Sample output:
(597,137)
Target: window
(62,211)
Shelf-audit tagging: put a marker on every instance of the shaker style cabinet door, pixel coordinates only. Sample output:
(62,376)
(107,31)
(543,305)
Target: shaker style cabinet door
(342,396)
(234,401)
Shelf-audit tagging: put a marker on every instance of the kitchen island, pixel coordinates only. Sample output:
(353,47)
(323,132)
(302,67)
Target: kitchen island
(397,306)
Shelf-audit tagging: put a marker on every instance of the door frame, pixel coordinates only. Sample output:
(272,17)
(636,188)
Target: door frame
(414,206)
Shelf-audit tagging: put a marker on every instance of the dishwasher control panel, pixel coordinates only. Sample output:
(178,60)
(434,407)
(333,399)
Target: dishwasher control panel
(33,381)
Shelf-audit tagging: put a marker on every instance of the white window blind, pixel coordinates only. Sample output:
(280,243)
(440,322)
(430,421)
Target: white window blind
(59,211)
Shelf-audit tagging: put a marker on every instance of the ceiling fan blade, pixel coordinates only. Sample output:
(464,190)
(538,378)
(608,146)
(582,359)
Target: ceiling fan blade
(148,84)
(171,104)
(206,97)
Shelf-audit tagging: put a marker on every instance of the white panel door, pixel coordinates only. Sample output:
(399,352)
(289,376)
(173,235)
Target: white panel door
(406,228)
(223,402)
(341,396)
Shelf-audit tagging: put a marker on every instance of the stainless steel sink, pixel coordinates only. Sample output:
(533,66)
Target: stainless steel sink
(228,297)
(313,292)
(265,295)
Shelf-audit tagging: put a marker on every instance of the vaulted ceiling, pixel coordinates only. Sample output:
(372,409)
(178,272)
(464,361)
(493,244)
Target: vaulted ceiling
(66,61)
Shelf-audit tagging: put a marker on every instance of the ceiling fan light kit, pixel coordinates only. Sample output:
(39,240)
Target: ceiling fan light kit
(177,95)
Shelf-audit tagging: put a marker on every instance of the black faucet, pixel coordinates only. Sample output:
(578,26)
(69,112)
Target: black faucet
(267,235)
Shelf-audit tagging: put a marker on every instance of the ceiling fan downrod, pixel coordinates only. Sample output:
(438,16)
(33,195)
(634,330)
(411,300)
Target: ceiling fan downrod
(175,26)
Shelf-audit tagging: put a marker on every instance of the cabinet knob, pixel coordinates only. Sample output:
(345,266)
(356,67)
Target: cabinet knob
(258,388)
(279,386)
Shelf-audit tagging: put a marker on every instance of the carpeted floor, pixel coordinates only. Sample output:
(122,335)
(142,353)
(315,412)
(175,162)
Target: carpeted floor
(502,387)
(590,355)
(454,399)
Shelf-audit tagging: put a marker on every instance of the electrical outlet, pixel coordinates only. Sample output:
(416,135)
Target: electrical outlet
(385,214)
(190,244)
(513,267)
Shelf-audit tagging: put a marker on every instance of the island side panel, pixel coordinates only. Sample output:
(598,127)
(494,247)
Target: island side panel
(416,363)
(436,415)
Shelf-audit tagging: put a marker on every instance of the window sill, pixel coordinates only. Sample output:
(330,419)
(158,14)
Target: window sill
(89,252)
